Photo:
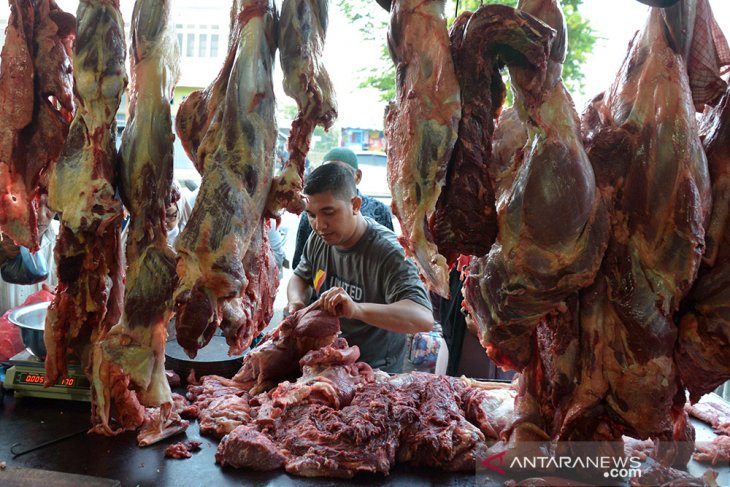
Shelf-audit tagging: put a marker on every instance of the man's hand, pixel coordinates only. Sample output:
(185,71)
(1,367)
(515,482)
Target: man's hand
(8,249)
(337,302)
(293,307)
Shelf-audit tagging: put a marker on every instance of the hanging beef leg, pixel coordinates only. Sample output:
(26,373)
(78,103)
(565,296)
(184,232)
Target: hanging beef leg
(465,219)
(134,349)
(421,128)
(237,152)
(302,29)
(88,253)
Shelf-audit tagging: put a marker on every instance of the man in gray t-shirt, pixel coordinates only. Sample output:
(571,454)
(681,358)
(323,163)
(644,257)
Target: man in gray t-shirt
(359,270)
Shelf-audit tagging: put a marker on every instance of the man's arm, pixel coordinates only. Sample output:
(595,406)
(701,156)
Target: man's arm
(298,293)
(403,316)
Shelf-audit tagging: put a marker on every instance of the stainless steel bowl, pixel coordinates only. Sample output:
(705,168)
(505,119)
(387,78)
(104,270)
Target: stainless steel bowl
(31,320)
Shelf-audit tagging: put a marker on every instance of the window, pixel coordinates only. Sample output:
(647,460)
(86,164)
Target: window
(214,45)
(202,45)
(198,41)
(191,46)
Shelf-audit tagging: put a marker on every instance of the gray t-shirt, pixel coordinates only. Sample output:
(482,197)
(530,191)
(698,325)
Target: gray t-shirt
(373,271)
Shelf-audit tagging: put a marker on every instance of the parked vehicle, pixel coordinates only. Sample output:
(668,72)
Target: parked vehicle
(374,176)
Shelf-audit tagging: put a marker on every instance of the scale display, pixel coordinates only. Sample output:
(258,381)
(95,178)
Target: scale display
(27,381)
(32,378)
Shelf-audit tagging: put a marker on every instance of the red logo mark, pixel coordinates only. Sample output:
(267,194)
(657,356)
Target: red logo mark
(488,462)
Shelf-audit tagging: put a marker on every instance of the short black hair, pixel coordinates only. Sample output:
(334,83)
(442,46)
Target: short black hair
(335,178)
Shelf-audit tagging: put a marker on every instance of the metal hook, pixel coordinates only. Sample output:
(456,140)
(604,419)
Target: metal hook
(16,454)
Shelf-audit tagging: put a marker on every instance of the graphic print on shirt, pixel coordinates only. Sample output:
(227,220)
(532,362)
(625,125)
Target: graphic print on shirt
(319,279)
(354,290)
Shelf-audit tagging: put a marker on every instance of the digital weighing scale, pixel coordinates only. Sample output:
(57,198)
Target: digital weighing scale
(27,375)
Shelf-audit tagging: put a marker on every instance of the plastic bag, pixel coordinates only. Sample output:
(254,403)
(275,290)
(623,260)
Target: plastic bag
(429,352)
(25,268)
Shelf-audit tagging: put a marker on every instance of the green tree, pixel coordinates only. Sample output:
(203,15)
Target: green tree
(372,22)
(328,139)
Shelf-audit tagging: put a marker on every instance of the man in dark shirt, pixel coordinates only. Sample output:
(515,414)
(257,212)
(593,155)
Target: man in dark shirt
(360,272)
(371,207)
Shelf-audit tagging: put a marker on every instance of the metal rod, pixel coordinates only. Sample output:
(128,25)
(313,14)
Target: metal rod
(16,454)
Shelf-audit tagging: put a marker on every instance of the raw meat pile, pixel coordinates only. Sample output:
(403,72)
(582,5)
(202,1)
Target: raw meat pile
(337,417)
(716,412)
(598,244)
(713,411)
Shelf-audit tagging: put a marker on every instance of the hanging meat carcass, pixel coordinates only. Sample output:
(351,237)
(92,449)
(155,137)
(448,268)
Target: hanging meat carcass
(537,264)
(36,108)
(465,220)
(229,130)
(643,143)
(703,348)
(135,347)
(302,29)
(88,252)
(421,128)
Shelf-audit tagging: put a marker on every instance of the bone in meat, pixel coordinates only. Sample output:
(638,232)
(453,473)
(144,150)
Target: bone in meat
(535,265)
(465,220)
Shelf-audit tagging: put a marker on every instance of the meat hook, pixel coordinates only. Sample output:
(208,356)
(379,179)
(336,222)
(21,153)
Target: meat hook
(16,454)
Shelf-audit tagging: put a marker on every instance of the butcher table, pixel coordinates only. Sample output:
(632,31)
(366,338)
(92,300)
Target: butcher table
(28,422)
(31,421)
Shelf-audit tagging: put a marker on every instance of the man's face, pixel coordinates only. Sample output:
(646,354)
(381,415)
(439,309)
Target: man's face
(171,216)
(45,214)
(333,219)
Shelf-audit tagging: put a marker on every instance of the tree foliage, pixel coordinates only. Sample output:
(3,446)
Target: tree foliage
(372,22)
